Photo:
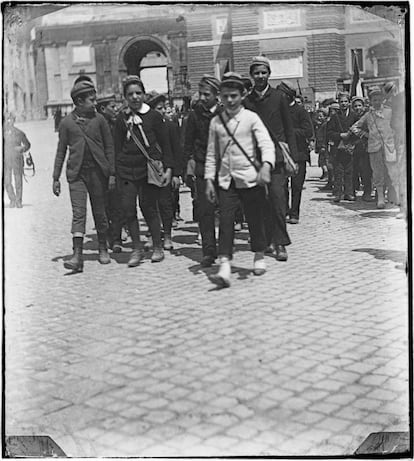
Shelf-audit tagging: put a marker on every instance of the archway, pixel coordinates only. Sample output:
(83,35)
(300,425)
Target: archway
(148,57)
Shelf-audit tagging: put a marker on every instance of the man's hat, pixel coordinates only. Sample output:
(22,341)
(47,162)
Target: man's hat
(287,89)
(81,88)
(374,90)
(259,61)
(154,98)
(210,81)
(334,105)
(105,99)
(232,79)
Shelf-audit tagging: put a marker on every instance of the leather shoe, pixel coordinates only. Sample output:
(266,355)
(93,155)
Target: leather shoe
(207,261)
(293,221)
(281,253)
(337,199)
(349,198)
(367,198)
(157,255)
(136,257)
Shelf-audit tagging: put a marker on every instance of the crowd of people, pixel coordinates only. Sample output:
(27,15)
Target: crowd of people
(232,150)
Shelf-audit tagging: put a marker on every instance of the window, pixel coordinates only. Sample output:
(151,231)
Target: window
(388,66)
(286,66)
(222,25)
(81,54)
(281,18)
(359,53)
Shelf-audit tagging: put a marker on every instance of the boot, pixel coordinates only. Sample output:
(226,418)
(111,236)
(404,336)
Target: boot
(103,250)
(75,263)
(222,278)
(157,255)
(380,198)
(136,257)
(168,245)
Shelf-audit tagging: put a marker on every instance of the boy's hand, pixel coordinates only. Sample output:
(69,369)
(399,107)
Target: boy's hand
(175,182)
(264,176)
(344,136)
(111,183)
(56,188)
(210,191)
(167,177)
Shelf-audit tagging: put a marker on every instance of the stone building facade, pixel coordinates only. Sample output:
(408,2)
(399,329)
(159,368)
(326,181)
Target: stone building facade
(309,45)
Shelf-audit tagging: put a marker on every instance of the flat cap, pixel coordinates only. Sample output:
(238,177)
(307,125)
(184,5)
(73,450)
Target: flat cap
(287,89)
(259,61)
(132,80)
(374,90)
(334,105)
(210,81)
(232,79)
(153,98)
(357,98)
(81,87)
(105,99)
(83,78)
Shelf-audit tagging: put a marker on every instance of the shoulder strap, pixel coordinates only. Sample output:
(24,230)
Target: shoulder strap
(236,142)
(137,141)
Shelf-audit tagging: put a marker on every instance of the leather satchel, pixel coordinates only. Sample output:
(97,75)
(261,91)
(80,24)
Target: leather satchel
(155,168)
(291,167)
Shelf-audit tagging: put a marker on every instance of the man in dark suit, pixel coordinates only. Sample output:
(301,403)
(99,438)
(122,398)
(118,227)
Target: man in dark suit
(273,108)
(302,125)
(342,148)
(90,169)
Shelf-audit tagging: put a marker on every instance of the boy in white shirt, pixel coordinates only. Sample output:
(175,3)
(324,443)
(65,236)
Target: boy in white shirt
(234,139)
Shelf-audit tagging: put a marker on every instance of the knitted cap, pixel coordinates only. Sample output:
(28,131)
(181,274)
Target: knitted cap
(210,81)
(83,78)
(132,80)
(232,79)
(80,88)
(259,61)
(154,98)
(374,90)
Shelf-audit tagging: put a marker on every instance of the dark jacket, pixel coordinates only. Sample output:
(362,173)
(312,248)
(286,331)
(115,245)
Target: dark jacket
(340,123)
(196,136)
(131,164)
(273,109)
(176,149)
(96,134)
(302,126)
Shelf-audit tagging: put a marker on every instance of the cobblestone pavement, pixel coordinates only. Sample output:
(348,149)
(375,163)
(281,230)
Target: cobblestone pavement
(155,361)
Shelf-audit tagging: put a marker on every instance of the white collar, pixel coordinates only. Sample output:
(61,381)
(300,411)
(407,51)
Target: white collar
(213,109)
(144,108)
(262,93)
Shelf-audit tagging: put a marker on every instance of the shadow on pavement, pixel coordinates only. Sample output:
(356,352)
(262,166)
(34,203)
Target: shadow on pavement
(380,214)
(397,256)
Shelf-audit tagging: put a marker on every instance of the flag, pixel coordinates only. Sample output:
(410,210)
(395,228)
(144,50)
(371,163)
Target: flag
(356,86)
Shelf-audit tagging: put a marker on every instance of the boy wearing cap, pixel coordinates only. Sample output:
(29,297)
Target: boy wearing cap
(273,108)
(90,169)
(231,154)
(381,144)
(166,201)
(195,148)
(361,166)
(140,132)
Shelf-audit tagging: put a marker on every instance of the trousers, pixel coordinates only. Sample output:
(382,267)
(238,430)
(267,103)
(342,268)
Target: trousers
(13,168)
(148,195)
(342,163)
(252,200)
(275,210)
(92,182)
(206,219)
(294,195)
